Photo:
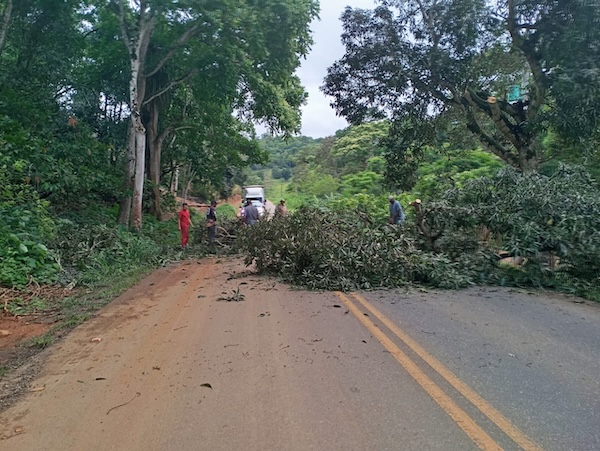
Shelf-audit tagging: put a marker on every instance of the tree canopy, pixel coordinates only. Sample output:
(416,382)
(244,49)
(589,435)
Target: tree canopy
(244,54)
(419,60)
(98,97)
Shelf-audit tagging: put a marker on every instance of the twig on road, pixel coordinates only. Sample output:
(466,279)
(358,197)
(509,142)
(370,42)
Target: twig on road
(124,404)
(181,327)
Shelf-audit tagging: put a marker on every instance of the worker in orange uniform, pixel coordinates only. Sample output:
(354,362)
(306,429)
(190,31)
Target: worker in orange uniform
(184,224)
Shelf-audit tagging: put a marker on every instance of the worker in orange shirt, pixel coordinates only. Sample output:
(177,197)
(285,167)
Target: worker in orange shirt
(184,224)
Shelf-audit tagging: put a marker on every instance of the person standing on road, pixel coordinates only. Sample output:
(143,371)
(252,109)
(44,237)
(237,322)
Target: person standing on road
(281,209)
(396,213)
(211,224)
(251,215)
(184,224)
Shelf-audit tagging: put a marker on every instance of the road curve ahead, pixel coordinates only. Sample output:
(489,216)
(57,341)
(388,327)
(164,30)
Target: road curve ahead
(209,356)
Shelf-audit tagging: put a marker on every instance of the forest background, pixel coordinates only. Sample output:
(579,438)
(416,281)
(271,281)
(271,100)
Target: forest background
(484,125)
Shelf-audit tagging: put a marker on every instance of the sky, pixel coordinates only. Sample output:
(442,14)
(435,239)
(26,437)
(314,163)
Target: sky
(318,118)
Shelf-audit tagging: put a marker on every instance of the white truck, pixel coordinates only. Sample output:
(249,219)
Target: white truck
(255,194)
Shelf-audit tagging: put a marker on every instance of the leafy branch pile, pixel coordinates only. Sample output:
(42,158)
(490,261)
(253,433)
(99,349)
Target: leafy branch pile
(553,223)
(327,249)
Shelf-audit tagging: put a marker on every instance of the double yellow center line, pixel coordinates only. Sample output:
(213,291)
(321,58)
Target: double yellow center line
(460,417)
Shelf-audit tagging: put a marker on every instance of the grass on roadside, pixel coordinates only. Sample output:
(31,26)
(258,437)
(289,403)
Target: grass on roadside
(226,211)
(101,260)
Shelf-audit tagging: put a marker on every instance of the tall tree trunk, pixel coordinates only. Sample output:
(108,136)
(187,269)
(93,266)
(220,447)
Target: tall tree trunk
(5,24)
(187,176)
(137,47)
(155,146)
(125,204)
(139,131)
(175,181)
(140,169)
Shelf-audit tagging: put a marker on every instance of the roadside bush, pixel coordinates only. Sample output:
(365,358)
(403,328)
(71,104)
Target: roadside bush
(25,228)
(92,252)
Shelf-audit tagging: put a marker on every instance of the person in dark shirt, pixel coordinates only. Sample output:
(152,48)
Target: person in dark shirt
(211,224)
(251,215)
(396,213)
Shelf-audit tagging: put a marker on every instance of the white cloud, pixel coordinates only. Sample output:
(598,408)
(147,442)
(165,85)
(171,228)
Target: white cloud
(318,118)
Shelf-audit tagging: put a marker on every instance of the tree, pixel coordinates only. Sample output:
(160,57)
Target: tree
(419,59)
(362,182)
(40,76)
(6,12)
(252,49)
(353,150)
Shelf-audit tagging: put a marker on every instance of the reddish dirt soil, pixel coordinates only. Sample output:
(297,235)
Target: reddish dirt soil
(14,330)
(235,200)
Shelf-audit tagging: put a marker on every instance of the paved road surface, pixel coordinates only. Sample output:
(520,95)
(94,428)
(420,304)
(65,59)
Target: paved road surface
(177,368)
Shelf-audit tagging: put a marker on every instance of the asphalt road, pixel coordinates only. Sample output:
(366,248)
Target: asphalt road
(209,356)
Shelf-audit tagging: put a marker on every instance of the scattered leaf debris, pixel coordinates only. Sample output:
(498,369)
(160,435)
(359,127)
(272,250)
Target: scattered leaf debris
(236,296)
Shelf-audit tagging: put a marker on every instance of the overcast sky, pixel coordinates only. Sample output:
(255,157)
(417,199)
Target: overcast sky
(318,118)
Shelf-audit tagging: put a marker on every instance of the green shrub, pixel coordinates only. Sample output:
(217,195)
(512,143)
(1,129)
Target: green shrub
(95,252)
(25,228)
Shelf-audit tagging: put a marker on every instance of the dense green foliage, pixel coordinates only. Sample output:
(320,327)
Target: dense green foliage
(550,221)
(282,153)
(25,228)
(437,173)
(208,72)
(354,162)
(417,62)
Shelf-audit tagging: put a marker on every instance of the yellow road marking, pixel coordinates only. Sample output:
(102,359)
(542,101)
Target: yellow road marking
(502,422)
(460,417)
